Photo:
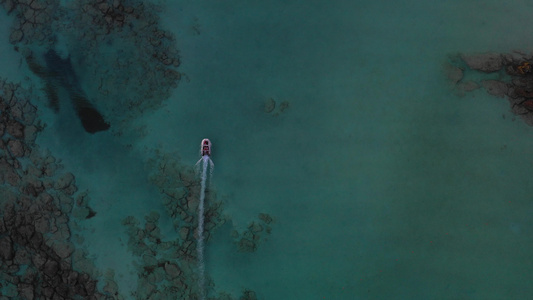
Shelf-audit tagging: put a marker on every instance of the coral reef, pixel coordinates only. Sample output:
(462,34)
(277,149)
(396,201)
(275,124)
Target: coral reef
(129,62)
(170,265)
(514,81)
(165,268)
(36,251)
(180,188)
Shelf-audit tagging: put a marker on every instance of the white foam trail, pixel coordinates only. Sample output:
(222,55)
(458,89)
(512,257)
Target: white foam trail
(205,161)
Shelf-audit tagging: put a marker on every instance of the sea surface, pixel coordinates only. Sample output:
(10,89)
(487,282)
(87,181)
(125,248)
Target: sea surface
(381,180)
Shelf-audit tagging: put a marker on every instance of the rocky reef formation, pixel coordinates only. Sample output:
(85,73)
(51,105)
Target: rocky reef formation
(36,198)
(179,187)
(249,239)
(33,20)
(512,78)
(40,211)
(167,267)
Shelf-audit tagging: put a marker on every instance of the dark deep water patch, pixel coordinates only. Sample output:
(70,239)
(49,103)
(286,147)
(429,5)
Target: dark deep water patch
(59,72)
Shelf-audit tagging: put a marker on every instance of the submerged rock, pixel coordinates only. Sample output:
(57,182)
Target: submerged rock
(64,181)
(16,148)
(50,268)
(26,291)
(16,36)
(248,295)
(468,86)
(453,73)
(111,288)
(6,248)
(172,270)
(184,232)
(486,62)
(265,218)
(496,88)
(246,245)
(270,105)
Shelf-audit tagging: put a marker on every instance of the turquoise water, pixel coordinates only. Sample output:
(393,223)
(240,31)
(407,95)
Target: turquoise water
(382,182)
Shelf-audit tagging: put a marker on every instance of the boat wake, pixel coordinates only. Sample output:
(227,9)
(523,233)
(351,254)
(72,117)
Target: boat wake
(205,162)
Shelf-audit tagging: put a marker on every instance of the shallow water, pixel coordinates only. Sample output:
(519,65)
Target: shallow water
(382,181)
